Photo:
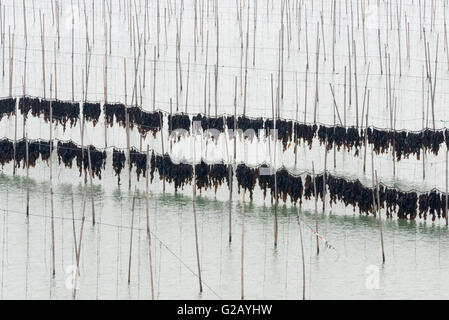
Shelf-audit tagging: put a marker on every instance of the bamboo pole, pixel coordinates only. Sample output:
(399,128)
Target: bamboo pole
(316,209)
(446,200)
(296,117)
(355,86)
(74,229)
(78,255)
(147,199)
(366,133)
(242,273)
(105,83)
(56,73)
(154,80)
(91,185)
(188,76)
(73,79)
(28,176)
(127,129)
(131,236)
(235,118)
(316,73)
(324,178)
(51,184)
(302,258)
(380,220)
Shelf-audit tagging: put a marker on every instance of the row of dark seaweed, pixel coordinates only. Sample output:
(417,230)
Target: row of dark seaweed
(67,151)
(7,107)
(145,121)
(404,204)
(36,149)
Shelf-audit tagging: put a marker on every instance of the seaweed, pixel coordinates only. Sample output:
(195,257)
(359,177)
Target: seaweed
(246,178)
(118,162)
(139,160)
(150,121)
(284,130)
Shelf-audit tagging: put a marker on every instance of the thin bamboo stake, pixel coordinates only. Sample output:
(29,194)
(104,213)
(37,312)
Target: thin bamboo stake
(302,258)
(78,255)
(355,86)
(51,184)
(380,220)
(147,199)
(323,198)
(235,118)
(188,76)
(73,72)
(316,73)
(91,186)
(316,209)
(28,176)
(380,52)
(242,266)
(154,80)
(74,230)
